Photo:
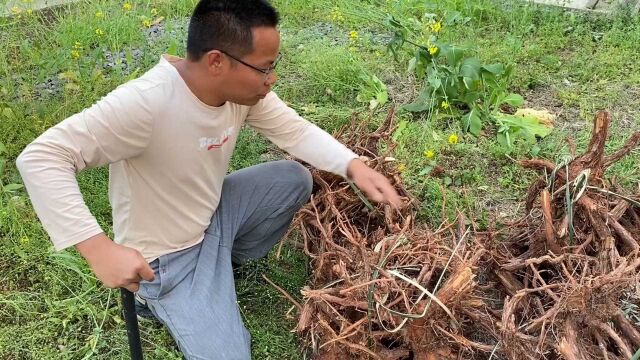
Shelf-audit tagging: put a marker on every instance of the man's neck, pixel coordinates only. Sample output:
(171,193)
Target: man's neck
(193,76)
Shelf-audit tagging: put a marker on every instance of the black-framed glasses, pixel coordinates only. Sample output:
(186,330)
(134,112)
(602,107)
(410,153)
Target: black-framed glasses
(265,71)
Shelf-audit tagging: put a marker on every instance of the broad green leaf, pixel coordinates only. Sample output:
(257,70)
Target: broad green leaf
(525,128)
(423,102)
(372,90)
(451,87)
(508,71)
(470,68)
(513,100)
(496,69)
(422,62)
(423,56)
(451,17)
(382,97)
(475,124)
(453,54)
(470,97)
(490,80)
(470,83)
(434,80)
(472,121)
(417,106)
(12,187)
(531,124)
(502,139)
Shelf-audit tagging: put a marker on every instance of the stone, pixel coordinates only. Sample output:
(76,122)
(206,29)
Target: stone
(594,5)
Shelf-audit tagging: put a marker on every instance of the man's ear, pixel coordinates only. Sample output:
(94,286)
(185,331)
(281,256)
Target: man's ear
(214,62)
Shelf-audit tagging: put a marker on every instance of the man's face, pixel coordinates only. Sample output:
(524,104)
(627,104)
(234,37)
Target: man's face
(245,85)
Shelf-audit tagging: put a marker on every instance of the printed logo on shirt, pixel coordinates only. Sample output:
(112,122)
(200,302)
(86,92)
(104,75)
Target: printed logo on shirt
(216,142)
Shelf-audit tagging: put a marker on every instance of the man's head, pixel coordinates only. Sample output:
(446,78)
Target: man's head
(237,42)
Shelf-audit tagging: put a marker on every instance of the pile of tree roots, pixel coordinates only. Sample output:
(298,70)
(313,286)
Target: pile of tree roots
(548,286)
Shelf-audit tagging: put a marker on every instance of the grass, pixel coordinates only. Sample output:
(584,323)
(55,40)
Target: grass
(54,63)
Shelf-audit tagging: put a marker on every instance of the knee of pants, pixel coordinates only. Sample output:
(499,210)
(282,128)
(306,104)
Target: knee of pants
(299,176)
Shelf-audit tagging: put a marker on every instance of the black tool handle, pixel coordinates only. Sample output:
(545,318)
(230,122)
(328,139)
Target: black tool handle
(131,319)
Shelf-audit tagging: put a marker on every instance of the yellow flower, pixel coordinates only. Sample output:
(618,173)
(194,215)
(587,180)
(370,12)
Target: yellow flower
(401,167)
(336,14)
(126,6)
(445,105)
(99,14)
(77,45)
(436,27)
(29,11)
(16,10)
(146,23)
(154,12)
(24,240)
(75,54)
(453,139)
(429,154)
(99,32)
(433,50)
(353,35)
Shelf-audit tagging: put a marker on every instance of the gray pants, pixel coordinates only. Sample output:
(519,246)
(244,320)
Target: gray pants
(193,292)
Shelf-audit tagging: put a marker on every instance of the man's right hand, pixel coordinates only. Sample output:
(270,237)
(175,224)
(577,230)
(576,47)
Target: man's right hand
(115,265)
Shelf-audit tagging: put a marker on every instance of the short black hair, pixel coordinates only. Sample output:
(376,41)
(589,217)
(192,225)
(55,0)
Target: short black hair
(226,25)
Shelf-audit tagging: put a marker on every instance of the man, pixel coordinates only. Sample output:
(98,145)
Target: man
(179,222)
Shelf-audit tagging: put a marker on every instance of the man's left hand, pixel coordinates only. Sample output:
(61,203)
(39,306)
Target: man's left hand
(375,185)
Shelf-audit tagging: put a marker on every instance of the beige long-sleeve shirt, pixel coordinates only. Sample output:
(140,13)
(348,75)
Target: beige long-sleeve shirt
(168,153)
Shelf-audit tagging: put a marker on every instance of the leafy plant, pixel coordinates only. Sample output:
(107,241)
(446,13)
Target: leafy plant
(372,91)
(459,84)
(512,128)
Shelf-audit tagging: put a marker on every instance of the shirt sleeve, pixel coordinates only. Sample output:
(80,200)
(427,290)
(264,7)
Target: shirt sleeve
(115,128)
(290,132)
